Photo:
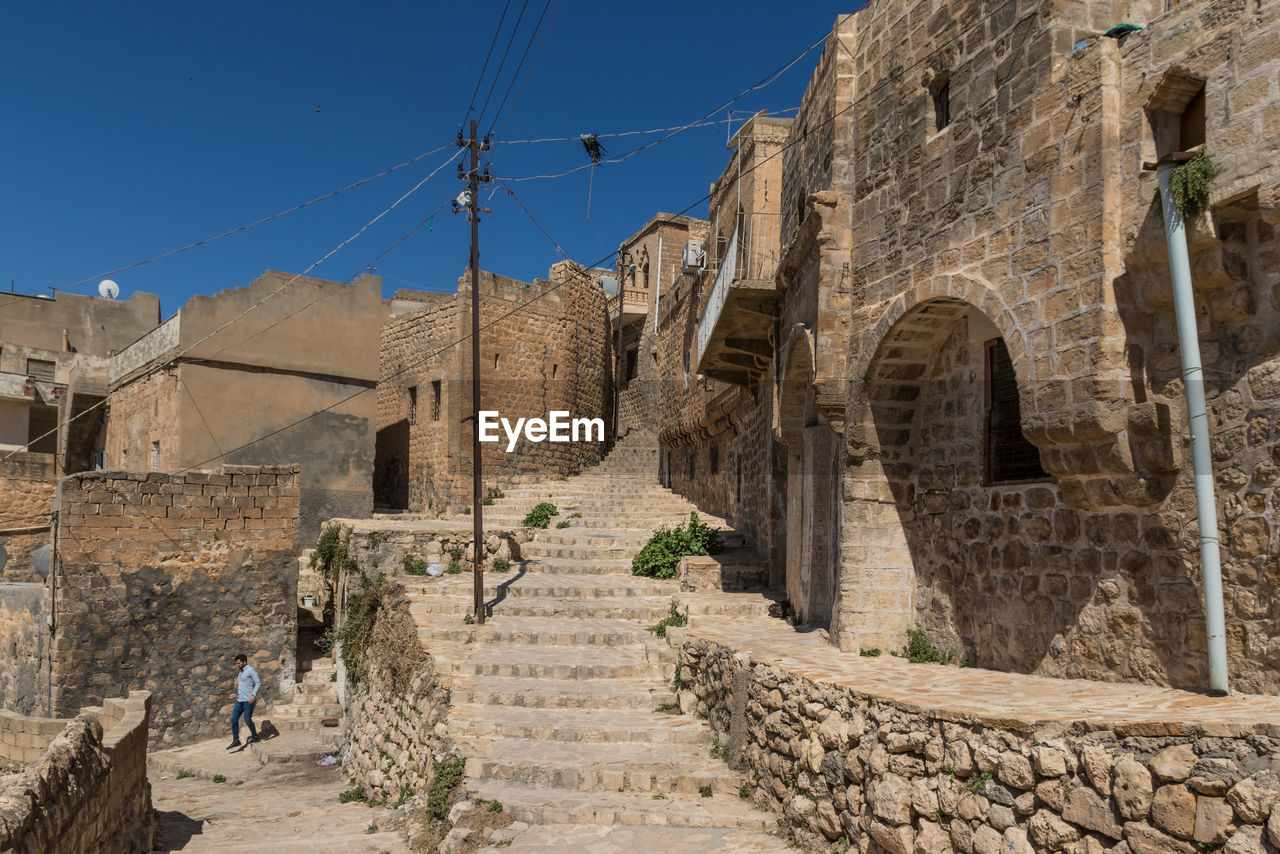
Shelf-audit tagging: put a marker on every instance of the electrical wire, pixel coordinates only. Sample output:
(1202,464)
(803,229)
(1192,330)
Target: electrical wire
(499,141)
(163,365)
(529,73)
(762,83)
(492,44)
(515,75)
(498,74)
(248,226)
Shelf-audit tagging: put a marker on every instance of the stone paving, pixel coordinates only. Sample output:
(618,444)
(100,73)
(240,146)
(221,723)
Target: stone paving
(989,694)
(285,804)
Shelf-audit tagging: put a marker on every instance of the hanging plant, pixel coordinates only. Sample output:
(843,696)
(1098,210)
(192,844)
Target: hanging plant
(1189,184)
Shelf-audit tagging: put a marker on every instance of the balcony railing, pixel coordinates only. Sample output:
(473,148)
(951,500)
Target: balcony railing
(629,301)
(751,255)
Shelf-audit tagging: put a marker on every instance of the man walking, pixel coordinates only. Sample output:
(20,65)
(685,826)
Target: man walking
(247,683)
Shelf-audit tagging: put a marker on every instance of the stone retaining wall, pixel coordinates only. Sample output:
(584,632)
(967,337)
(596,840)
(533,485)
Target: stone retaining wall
(889,777)
(395,718)
(87,792)
(382,547)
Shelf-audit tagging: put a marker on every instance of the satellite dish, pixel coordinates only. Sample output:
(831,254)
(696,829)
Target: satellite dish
(108,289)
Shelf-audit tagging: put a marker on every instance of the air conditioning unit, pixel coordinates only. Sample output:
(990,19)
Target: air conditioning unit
(694,257)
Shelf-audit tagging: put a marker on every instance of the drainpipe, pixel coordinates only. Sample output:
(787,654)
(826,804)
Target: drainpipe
(657,297)
(1184,307)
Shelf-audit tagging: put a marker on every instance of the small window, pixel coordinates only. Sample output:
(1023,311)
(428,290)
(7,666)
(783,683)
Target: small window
(1191,123)
(715,459)
(686,370)
(554,370)
(413,404)
(1010,457)
(940,90)
(155,456)
(435,400)
(631,364)
(41,370)
(495,361)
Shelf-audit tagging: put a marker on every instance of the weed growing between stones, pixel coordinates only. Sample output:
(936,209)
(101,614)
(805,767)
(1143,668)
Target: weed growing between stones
(704,791)
(219,778)
(183,774)
(675,618)
(744,792)
(668,708)
(540,515)
(563,524)
(456,553)
(414,565)
(351,795)
(448,774)
(469,619)
(920,651)
(495,806)
(660,557)
(874,652)
(500,564)
(453,568)
(719,751)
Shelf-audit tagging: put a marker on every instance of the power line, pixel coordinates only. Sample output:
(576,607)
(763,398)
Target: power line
(529,73)
(297,276)
(497,75)
(492,44)
(762,83)
(515,75)
(499,141)
(248,226)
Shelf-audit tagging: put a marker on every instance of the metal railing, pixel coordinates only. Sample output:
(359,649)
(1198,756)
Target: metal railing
(751,254)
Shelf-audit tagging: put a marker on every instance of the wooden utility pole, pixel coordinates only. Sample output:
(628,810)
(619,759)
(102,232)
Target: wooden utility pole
(474,179)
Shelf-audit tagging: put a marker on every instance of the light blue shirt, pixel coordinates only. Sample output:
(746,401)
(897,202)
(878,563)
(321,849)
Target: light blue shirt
(247,684)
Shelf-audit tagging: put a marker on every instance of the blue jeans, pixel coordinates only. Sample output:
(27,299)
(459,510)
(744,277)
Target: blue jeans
(246,708)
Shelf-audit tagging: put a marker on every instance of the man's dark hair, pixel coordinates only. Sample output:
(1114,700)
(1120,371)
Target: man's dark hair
(241,657)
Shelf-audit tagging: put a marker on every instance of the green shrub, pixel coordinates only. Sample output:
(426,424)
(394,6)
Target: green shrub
(351,795)
(920,651)
(453,568)
(1189,184)
(563,524)
(660,557)
(540,515)
(448,775)
(414,565)
(501,564)
(456,553)
(869,653)
(218,778)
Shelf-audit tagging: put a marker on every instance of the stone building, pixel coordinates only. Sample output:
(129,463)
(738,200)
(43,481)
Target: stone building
(648,260)
(54,358)
(252,376)
(544,346)
(972,389)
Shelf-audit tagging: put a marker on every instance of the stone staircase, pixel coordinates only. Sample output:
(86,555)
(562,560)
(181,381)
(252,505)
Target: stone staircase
(315,700)
(562,702)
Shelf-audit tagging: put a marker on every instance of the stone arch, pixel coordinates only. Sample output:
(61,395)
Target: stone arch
(795,396)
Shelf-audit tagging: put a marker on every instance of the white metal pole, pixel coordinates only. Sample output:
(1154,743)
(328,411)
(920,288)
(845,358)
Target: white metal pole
(1184,307)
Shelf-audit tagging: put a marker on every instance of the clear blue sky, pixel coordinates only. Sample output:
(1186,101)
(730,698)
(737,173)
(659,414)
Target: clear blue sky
(131,129)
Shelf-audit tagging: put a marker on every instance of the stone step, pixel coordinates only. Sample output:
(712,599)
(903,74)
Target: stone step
(510,692)
(537,632)
(586,726)
(307,713)
(506,586)
(646,609)
(316,688)
(567,663)
(572,566)
(543,806)
(640,839)
(319,677)
(559,550)
(585,767)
